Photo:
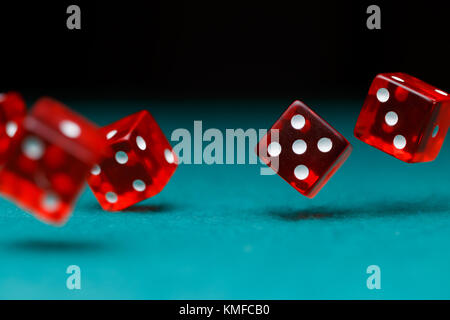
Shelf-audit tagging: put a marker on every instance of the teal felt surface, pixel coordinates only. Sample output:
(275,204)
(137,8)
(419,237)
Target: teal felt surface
(226,232)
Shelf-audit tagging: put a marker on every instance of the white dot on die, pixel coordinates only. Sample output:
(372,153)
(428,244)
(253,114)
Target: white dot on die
(391,118)
(121,157)
(398,79)
(399,141)
(435,131)
(141,143)
(298,121)
(33,148)
(111,197)
(96,170)
(274,149)
(299,146)
(50,202)
(111,134)
(70,129)
(11,128)
(383,95)
(325,144)
(301,172)
(441,92)
(139,185)
(169,156)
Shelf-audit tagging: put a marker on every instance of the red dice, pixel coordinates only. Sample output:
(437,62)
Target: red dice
(49,160)
(12,113)
(303,149)
(139,163)
(404,117)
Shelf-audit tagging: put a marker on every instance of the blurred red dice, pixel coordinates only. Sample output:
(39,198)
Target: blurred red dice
(139,163)
(303,149)
(49,160)
(404,117)
(12,113)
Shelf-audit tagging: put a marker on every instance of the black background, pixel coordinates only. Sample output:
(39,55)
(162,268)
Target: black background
(219,48)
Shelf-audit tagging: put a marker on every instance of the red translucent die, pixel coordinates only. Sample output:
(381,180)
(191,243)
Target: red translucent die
(303,149)
(12,113)
(404,117)
(139,163)
(49,160)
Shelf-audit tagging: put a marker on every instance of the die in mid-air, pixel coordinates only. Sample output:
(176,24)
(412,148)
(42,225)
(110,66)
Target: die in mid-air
(303,149)
(404,117)
(138,164)
(49,159)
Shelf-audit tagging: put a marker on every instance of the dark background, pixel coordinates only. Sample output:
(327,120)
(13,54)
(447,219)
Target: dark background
(219,48)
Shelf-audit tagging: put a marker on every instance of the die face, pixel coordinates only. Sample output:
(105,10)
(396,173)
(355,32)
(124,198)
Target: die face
(46,183)
(434,134)
(121,179)
(40,174)
(66,128)
(404,117)
(120,129)
(139,163)
(303,149)
(12,113)
(413,85)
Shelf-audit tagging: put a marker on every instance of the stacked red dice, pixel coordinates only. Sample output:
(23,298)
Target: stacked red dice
(48,160)
(404,117)
(303,149)
(139,163)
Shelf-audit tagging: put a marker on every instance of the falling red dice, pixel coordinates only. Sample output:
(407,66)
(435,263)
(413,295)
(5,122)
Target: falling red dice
(404,117)
(49,160)
(12,113)
(139,163)
(303,149)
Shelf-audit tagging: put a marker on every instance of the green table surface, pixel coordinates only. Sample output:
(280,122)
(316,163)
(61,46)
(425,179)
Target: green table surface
(226,232)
